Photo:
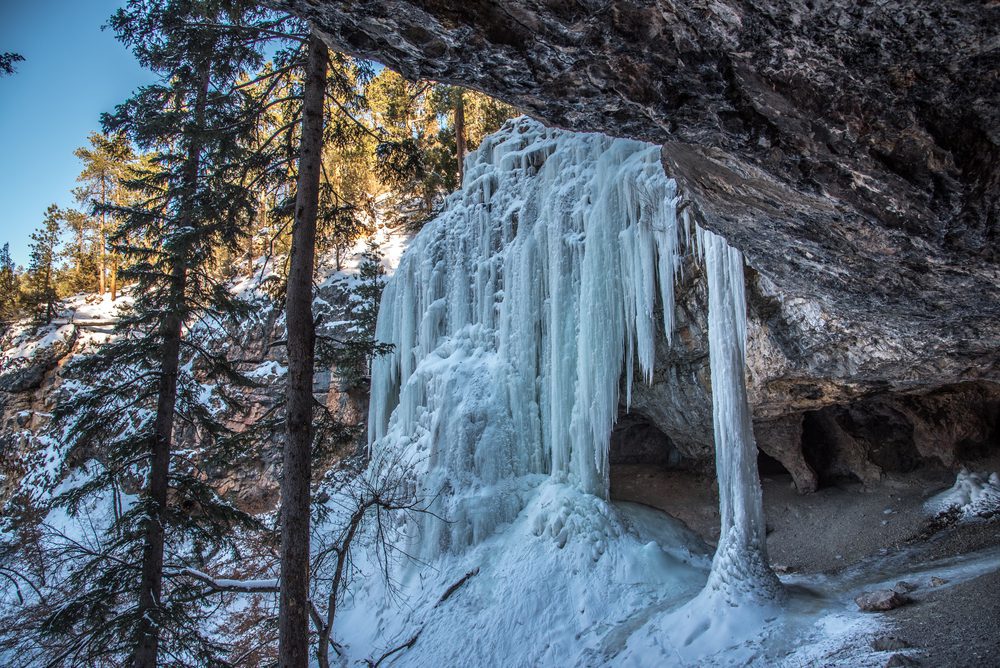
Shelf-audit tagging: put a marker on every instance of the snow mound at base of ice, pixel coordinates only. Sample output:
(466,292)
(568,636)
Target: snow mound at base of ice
(564,584)
(972,495)
(704,627)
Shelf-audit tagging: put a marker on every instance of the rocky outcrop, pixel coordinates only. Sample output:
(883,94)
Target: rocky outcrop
(850,150)
(781,439)
(816,411)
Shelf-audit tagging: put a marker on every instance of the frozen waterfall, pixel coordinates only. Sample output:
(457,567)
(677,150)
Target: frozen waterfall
(516,313)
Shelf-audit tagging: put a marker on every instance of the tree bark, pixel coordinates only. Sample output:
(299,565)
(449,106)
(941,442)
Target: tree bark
(460,147)
(101,238)
(114,277)
(150,617)
(293,616)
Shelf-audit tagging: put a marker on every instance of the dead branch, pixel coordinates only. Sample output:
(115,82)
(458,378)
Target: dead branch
(455,587)
(406,645)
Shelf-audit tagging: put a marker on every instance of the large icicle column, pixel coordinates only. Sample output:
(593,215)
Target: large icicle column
(740,566)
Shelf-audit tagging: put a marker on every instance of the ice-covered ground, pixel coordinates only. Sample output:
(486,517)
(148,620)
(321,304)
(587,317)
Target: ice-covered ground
(575,581)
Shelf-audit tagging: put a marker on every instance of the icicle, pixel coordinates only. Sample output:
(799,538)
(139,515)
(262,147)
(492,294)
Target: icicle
(740,565)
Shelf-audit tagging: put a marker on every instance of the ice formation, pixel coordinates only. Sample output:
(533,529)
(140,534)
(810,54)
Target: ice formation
(514,316)
(741,558)
(973,495)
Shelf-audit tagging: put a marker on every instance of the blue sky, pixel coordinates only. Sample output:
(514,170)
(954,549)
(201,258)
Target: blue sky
(72,72)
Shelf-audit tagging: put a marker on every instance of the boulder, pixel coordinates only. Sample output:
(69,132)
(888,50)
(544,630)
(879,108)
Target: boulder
(881,600)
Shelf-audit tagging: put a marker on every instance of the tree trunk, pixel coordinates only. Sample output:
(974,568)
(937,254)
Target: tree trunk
(151,586)
(114,277)
(102,240)
(293,616)
(152,553)
(460,148)
(49,291)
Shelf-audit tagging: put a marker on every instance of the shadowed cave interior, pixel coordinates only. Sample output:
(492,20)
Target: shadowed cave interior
(883,444)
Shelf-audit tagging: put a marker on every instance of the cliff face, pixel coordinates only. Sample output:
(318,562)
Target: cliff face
(817,408)
(850,150)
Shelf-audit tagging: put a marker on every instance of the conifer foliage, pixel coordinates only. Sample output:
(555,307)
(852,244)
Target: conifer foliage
(9,288)
(107,164)
(128,602)
(40,290)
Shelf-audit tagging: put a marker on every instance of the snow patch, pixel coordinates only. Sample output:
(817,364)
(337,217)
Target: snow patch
(973,495)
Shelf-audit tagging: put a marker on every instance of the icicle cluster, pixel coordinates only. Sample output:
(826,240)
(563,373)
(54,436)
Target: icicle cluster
(514,315)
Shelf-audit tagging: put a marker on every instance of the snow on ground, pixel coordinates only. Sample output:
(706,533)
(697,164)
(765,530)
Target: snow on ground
(88,317)
(563,584)
(973,495)
(625,589)
(29,343)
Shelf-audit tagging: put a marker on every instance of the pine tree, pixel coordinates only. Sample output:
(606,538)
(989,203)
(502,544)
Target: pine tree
(427,131)
(9,289)
(81,253)
(293,621)
(193,199)
(106,165)
(40,294)
(352,356)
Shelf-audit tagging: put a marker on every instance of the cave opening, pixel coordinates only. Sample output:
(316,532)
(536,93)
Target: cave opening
(636,441)
(896,434)
(768,466)
(646,467)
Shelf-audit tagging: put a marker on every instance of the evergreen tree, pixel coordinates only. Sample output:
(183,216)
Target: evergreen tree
(81,253)
(352,356)
(427,130)
(106,165)
(293,620)
(39,293)
(9,289)
(194,197)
